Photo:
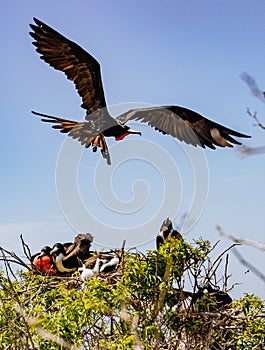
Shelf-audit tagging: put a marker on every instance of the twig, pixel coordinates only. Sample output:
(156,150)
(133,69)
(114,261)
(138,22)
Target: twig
(160,301)
(134,326)
(226,276)
(213,274)
(41,331)
(251,151)
(219,257)
(241,240)
(253,86)
(254,116)
(26,248)
(248,265)
(14,256)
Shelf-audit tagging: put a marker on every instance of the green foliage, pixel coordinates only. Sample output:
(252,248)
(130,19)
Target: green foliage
(251,327)
(136,309)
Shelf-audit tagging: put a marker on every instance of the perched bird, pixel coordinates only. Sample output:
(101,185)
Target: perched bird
(99,263)
(81,246)
(44,251)
(183,300)
(69,258)
(219,297)
(86,272)
(166,232)
(187,300)
(63,261)
(43,261)
(84,70)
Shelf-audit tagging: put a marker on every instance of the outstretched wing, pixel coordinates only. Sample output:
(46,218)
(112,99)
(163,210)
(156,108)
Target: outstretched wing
(185,125)
(78,65)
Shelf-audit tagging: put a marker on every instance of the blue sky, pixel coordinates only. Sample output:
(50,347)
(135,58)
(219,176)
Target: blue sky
(186,53)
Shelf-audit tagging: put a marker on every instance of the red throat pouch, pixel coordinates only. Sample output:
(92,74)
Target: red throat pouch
(121,137)
(44,265)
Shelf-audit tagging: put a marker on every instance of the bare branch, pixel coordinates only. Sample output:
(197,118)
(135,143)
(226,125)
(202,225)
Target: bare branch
(8,255)
(251,151)
(226,275)
(241,240)
(252,268)
(134,326)
(26,248)
(220,256)
(251,83)
(41,331)
(254,116)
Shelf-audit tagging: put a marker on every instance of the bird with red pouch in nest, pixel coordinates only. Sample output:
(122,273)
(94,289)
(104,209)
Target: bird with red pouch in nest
(42,261)
(72,254)
(84,70)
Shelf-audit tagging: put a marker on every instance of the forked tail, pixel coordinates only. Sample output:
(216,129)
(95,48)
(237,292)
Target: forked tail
(79,131)
(63,125)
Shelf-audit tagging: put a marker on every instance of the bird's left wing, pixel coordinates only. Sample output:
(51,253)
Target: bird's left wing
(185,125)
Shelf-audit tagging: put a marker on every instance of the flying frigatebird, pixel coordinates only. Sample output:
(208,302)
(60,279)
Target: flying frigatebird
(84,70)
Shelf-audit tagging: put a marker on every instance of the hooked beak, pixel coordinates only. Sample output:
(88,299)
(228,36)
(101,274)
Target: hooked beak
(131,131)
(42,254)
(163,229)
(55,250)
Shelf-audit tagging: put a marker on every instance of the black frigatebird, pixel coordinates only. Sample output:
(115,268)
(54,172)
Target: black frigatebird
(84,70)
(166,232)
(68,259)
(43,261)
